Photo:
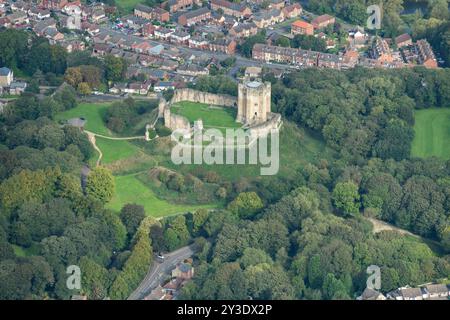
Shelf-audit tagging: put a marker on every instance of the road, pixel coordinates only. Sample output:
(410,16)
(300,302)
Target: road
(157,271)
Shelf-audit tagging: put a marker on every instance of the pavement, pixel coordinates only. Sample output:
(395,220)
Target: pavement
(158,271)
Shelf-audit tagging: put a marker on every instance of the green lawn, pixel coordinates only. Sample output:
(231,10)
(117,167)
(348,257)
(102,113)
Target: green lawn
(432,133)
(128,5)
(26,252)
(130,190)
(92,112)
(212,116)
(296,148)
(114,150)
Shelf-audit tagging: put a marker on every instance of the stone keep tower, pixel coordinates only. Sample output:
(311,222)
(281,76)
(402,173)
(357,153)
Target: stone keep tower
(253,102)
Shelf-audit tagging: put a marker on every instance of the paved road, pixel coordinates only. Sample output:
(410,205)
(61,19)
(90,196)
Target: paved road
(157,272)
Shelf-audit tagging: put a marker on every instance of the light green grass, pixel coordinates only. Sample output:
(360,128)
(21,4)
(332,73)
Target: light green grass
(130,190)
(213,117)
(296,148)
(25,252)
(92,112)
(432,133)
(114,150)
(128,5)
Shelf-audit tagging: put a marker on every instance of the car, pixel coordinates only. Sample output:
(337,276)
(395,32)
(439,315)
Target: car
(160,256)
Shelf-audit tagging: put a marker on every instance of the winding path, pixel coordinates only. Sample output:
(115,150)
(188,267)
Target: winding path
(92,135)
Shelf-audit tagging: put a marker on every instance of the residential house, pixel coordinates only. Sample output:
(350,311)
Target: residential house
(277,4)
(177,5)
(6,77)
(163,86)
(17,88)
(183,270)
(90,28)
(370,294)
(198,43)
(403,40)
(244,30)
(195,16)
(425,53)
(323,21)
(148,30)
(180,37)
(253,72)
(436,291)
(118,88)
(18,18)
(238,10)
(53,35)
(173,286)
(54,4)
(39,13)
(267,18)
(158,294)
(141,47)
(192,70)
(292,11)
(73,45)
(20,6)
(43,25)
(225,45)
(410,294)
(163,33)
(380,51)
(302,27)
(149,13)
(140,88)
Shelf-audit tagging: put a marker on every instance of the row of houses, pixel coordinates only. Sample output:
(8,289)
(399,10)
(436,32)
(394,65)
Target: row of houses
(427,292)
(298,57)
(419,53)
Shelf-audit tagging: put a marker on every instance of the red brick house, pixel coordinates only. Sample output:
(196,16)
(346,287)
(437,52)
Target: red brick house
(292,11)
(54,4)
(232,9)
(302,27)
(227,46)
(403,40)
(323,21)
(193,17)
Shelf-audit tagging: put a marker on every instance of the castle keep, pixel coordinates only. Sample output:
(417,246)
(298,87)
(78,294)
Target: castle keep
(253,102)
(253,107)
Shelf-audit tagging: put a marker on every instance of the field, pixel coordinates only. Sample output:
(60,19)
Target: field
(432,133)
(296,148)
(130,190)
(213,117)
(128,5)
(94,114)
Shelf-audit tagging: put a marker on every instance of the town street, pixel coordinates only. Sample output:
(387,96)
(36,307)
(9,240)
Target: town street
(158,271)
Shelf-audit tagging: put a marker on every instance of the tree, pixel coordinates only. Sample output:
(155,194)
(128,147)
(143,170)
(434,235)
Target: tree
(114,68)
(346,198)
(199,218)
(131,216)
(246,204)
(84,89)
(100,184)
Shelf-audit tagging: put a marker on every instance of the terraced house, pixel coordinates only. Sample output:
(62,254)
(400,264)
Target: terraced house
(195,16)
(148,13)
(230,8)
